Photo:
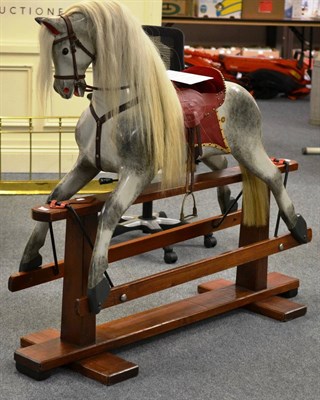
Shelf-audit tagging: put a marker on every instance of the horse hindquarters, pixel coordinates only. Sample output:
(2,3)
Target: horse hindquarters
(242,130)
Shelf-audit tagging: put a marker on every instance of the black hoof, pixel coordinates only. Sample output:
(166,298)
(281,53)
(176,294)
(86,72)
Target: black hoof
(97,295)
(233,205)
(31,265)
(299,231)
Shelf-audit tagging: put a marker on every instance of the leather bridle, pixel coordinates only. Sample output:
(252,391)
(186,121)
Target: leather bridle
(74,43)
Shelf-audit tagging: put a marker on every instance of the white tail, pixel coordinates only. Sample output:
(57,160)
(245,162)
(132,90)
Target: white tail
(255,199)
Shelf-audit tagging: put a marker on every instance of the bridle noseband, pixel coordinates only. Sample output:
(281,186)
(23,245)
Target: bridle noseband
(74,42)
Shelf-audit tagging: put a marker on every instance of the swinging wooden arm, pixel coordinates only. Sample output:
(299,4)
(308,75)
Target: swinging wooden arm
(22,280)
(94,204)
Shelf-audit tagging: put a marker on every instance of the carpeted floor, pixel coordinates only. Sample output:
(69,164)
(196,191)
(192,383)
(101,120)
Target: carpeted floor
(239,355)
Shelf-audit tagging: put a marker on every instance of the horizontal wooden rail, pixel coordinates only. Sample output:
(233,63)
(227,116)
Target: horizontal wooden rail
(198,269)
(23,280)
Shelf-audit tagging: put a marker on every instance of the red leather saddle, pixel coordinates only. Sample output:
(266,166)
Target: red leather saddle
(199,103)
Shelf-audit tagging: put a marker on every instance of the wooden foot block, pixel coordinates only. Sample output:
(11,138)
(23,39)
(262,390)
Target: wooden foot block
(278,308)
(39,337)
(275,307)
(106,368)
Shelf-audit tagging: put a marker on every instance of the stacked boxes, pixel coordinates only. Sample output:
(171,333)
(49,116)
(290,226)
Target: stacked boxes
(311,8)
(219,9)
(246,9)
(178,8)
(292,9)
(263,9)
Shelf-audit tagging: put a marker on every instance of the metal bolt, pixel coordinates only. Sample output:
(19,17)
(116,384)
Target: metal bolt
(281,246)
(123,297)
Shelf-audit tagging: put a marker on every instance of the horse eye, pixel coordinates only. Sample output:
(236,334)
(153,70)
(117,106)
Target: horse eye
(65,51)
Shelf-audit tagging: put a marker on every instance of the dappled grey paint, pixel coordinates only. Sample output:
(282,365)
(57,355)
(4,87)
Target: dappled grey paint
(125,154)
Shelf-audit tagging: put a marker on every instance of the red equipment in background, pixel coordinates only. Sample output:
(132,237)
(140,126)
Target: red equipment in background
(263,77)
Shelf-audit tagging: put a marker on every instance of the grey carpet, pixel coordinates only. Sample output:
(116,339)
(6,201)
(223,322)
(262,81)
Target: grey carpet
(235,356)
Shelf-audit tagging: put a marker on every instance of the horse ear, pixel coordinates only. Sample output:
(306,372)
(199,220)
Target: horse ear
(48,24)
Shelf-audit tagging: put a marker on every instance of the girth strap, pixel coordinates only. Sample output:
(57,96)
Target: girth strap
(101,120)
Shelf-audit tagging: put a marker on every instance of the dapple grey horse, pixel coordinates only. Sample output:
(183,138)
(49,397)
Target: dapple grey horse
(134,126)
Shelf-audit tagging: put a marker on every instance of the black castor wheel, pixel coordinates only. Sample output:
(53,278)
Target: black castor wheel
(170,256)
(209,241)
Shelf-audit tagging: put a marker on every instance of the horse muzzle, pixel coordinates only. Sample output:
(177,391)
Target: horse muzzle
(67,88)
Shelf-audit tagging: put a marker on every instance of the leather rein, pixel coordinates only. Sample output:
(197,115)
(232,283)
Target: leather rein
(74,42)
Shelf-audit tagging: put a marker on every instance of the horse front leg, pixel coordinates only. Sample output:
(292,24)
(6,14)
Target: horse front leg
(73,181)
(128,189)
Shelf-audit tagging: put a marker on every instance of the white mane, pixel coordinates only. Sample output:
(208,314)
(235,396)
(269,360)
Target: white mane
(45,78)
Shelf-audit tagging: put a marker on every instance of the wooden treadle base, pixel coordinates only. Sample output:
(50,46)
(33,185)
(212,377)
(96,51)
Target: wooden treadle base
(45,351)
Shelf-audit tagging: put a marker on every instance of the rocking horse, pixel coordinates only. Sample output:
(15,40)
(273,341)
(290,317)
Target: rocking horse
(134,126)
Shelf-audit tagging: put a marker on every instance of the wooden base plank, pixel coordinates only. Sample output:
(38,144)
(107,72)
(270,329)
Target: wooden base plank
(105,368)
(114,334)
(214,285)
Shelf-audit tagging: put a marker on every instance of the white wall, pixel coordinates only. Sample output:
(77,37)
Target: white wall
(19,54)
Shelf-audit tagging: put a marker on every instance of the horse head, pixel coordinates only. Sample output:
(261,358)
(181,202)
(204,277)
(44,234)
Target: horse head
(72,52)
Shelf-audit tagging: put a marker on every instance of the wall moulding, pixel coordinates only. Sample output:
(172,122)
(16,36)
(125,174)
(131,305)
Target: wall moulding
(16,89)
(19,48)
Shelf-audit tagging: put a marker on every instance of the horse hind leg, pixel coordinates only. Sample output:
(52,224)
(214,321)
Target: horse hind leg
(217,162)
(264,169)
(243,133)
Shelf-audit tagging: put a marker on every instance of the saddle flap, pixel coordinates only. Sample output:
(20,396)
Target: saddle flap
(199,99)
(193,106)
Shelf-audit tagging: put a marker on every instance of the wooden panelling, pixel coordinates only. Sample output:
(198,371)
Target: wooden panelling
(16,90)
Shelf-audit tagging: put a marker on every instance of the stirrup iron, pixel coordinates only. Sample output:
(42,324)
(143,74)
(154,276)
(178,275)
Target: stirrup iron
(183,218)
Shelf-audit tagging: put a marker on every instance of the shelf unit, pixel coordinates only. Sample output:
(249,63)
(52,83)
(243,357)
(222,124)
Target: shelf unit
(303,29)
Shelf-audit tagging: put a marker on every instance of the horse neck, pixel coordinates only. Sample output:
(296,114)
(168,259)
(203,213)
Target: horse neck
(100,98)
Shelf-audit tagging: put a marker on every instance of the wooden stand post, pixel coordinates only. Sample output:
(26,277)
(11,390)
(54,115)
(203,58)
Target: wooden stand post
(83,346)
(79,330)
